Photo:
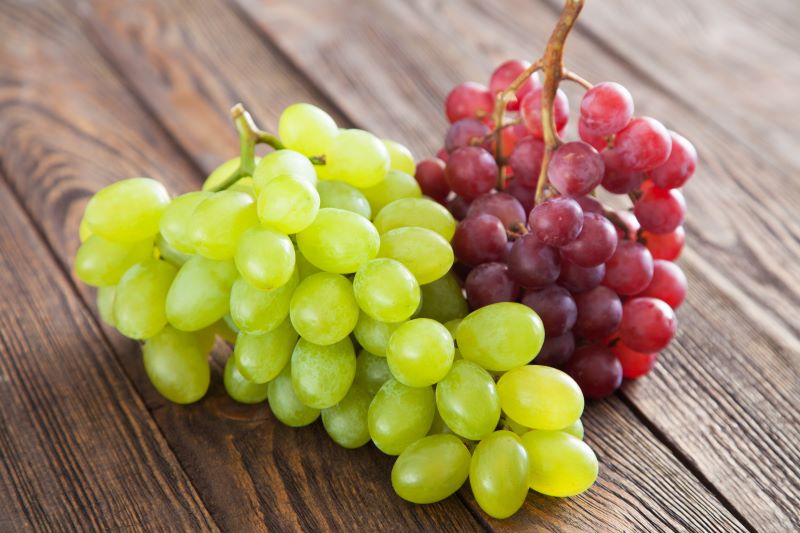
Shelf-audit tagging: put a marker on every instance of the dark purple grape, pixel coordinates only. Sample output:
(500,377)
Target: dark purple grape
(576,168)
(595,244)
(555,307)
(500,204)
(467,132)
(556,351)
(526,161)
(579,279)
(596,369)
(599,313)
(533,264)
(557,222)
(490,283)
(480,239)
(471,171)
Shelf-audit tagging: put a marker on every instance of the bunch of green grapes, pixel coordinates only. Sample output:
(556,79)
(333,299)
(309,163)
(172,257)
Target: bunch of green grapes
(331,275)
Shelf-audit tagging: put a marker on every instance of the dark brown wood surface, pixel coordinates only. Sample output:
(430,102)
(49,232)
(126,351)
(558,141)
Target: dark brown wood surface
(93,90)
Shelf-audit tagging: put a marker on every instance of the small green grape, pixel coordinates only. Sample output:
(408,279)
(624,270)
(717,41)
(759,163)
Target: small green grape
(84,232)
(374,335)
(304,267)
(346,422)
(177,365)
(372,371)
(467,401)
(307,129)
(105,304)
(340,195)
(443,300)
(357,157)
(219,221)
(323,309)
(452,325)
(140,298)
(260,358)
(225,328)
(400,415)
(498,474)
(339,241)
(394,186)
(240,388)
(559,464)
(386,290)
(322,375)
(175,225)
(400,157)
(431,469)
(416,212)
(283,163)
(438,426)
(170,254)
(265,258)
(425,253)
(200,293)
(224,171)
(540,397)
(101,263)
(420,352)
(255,311)
(245,185)
(288,204)
(128,210)
(575,429)
(285,405)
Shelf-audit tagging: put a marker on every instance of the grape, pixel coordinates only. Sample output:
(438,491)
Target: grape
(175,225)
(265,258)
(467,132)
(400,415)
(101,263)
(260,358)
(533,264)
(526,161)
(634,364)
(504,75)
(531,110)
(576,168)
(557,222)
(526,195)
(219,221)
(580,279)
(500,204)
(323,308)
(498,474)
(287,204)
(395,186)
(606,108)
(560,464)
(442,299)
(599,313)
(467,401)
(500,336)
(306,128)
(400,157)
(386,290)
(170,254)
(346,422)
(222,172)
(458,207)
(431,469)
(283,163)
(431,179)
(128,210)
(555,307)
(490,283)
(372,372)
(420,352)
(619,180)
(556,351)
(667,246)
(343,196)
(417,213)
(631,225)
(425,253)
(303,266)
(540,397)
(322,375)
(471,171)
(480,239)
(598,142)
(596,369)
(255,311)
(177,365)
(105,304)
(84,232)
(285,405)
(630,269)
(594,245)
(469,99)
(648,324)
(200,294)
(372,334)
(680,165)
(140,297)
(357,157)
(590,204)
(643,144)
(668,283)
(339,241)
(240,388)
(660,210)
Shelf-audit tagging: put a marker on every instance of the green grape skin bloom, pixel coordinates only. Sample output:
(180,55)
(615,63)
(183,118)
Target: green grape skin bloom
(346,422)
(322,375)
(373,335)
(288,204)
(200,294)
(128,210)
(265,258)
(339,241)
(394,186)
(559,464)
(101,263)
(285,405)
(501,336)
(307,129)
(260,358)
(498,474)
(442,300)
(400,157)
(255,311)
(372,372)
(323,308)
(176,226)
(467,401)
(140,299)
(105,304)
(418,213)
(219,221)
(386,290)
(357,157)
(240,388)
(420,352)
(400,415)
(425,253)
(177,364)
(340,195)
(283,163)
(540,397)
(431,469)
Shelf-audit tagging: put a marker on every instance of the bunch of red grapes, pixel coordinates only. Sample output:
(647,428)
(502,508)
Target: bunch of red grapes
(603,281)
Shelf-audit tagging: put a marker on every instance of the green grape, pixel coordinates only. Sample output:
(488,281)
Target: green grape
(245,185)
(288,204)
(307,129)
(395,185)
(575,429)
(285,405)
(467,401)
(400,157)
(372,371)
(170,254)
(339,241)
(425,253)
(501,336)
(343,196)
(322,375)
(101,263)
(442,300)
(225,328)
(323,309)
(431,469)
(177,364)
(419,213)
(420,352)
(219,221)
(255,311)
(559,464)
(498,474)
(374,335)
(540,397)
(220,174)
(265,258)
(175,225)
(386,290)
(128,210)
(400,415)
(438,426)
(452,325)
(357,157)
(105,304)
(140,298)
(512,425)
(84,232)
(260,358)
(200,294)
(240,388)
(283,163)
(346,422)
(304,267)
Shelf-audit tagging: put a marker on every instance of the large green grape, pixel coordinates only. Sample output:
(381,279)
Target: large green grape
(540,397)
(357,157)
(283,163)
(442,300)
(425,253)
(140,298)
(340,195)
(307,129)
(322,375)
(240,388)
(339,241)
(177,364)
(416,212)
(373,335)
(102,263)
(372,371)
(219,221)
(498,474)
(346,422)
(200,294)
(394,186)
(400,157)
(323,308)
(260,358)
(285,405)
(105,304)
(265,258)
(559,464)
(431,469)
(288,204)
(420,352)
(400,415)
(128,210)
(467,401)
(176,226)
(255,311)
(386,290)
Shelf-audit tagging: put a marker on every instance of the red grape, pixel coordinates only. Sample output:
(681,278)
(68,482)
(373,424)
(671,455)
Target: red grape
(480,239)
(606,108)
(500,204)
(596,370)
(575,169)
(556,350)
(467,132)
(430,176)
(660,210)
(526,161)
(525,195)
(471,171)
(490,283)
(531,109)
(557,222)
(468,99)
(631,223)
(458,207)
(443,154)
(505,74)
(668,283)
(634,364)
(597,141)
(667,246)
(680,165)
(599,313)
(648,324)
(595,243)
(511,134)
(643,144)
(589,204)
(555,307)
(580,279)
(617,180)
(533,264)
(630,269)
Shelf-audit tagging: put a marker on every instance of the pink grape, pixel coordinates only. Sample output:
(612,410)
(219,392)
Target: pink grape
(668,284)
(580,279)
(648,324)
(634,364)
(471,171)
(590,204)
(595,243)
(526,161)
(631,223)
(504,76)
(606,108)
(443,154)
(555,307)
(596,370)
(531,109)
(490,283)
(643,144)
(468,99)
(599,313)
(630,270)
(525,195)
(556,351)
(557,222)
(576,169)
(680,165)
(533,264)
(430,176)
(500,204)
(597,141)
(467,132)
(617,180)
(660,210)
(480,239)
(667,246)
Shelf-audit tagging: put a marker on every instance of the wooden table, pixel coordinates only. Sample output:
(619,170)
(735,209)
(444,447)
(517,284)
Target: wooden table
(92,91)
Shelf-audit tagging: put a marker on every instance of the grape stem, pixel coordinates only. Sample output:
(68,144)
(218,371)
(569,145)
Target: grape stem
(568,75)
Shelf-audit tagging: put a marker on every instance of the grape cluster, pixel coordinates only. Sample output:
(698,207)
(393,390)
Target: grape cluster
(532,229)
(330,273)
